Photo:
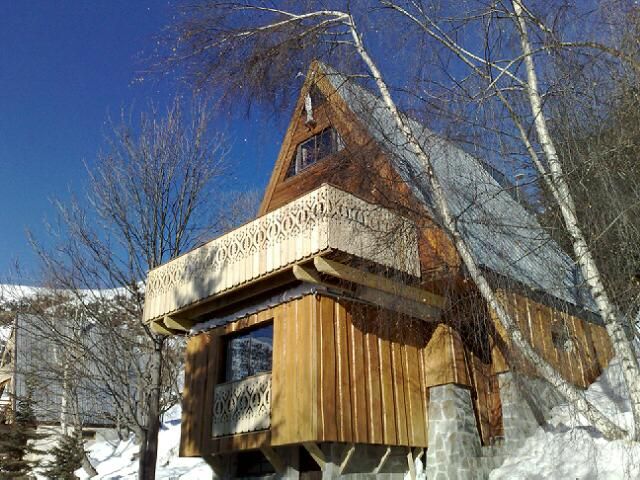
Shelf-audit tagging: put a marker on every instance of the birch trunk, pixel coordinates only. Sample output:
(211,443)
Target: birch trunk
(621,344)
(574,395)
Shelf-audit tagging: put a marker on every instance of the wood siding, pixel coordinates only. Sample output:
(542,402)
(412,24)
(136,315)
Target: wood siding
(342,372)
(591,348)
(346,372)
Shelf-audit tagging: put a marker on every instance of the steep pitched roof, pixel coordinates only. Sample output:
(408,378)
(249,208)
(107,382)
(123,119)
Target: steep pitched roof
(503,236)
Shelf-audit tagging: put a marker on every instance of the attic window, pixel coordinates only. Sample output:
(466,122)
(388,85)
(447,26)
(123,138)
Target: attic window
(315,149)
(560,337)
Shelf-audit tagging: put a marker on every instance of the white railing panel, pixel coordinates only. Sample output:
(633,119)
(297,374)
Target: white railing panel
(242,406)
(326,218)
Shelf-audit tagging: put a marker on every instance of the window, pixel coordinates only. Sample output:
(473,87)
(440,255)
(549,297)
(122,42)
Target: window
(249,353)
(315,149)
(560,337)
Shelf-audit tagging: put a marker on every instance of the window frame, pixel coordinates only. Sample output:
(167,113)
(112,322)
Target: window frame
(225,376)
(337,145)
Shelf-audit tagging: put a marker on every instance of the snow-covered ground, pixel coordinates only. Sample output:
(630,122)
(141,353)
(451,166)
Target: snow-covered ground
(570,449)
(118,460)
(567,449)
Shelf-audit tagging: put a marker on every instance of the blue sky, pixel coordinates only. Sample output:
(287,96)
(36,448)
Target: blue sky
(64,66)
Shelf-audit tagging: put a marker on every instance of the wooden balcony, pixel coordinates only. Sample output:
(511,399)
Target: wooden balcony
(242,406)
(324,220)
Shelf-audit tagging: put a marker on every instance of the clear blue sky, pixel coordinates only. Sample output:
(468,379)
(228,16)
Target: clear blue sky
(64,65)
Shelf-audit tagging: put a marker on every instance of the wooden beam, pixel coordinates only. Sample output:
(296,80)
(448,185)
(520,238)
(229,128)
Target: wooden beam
(275,460)
(5,377)
(159,328)
(383,461)
(378,282)
(347,457)
(394,302)
(418,452)
(307,274)
(217,464)
(316,453)
(398,304)
(411,464)
(236,295)
(180,324)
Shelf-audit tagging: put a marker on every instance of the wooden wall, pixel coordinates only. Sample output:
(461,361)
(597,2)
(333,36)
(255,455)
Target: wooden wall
(342,372)
(591,347)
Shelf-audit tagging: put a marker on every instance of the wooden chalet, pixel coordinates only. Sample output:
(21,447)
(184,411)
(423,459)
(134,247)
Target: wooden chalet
(337,334)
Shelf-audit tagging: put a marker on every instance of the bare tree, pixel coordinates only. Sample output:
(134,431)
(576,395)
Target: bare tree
(151,197)
(487,53)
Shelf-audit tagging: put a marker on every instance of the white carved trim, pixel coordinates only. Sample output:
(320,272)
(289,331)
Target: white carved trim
(326,218)
(242,406)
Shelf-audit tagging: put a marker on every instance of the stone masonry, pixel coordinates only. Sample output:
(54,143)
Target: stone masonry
(454,445)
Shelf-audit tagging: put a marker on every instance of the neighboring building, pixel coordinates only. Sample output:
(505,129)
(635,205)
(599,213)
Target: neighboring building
(32,365)
(337,333)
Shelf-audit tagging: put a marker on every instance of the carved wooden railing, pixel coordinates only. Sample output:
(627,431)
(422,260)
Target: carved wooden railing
(322,220)
(242,406)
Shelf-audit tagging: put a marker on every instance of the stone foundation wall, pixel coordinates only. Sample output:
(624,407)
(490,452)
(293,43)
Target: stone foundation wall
(454,444)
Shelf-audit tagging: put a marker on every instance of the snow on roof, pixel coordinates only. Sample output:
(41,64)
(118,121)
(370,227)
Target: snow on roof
(504,237)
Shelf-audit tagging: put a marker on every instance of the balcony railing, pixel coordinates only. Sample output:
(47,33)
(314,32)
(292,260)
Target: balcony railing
(242,406)
(322,220)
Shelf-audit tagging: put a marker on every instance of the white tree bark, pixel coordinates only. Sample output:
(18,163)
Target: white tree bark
(621,344)
(574,395)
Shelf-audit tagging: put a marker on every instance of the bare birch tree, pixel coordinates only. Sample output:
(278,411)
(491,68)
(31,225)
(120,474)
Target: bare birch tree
(495,60)
(151,197)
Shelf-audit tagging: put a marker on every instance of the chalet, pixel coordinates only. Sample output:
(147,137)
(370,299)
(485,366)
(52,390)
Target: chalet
(32,365)
(337,333)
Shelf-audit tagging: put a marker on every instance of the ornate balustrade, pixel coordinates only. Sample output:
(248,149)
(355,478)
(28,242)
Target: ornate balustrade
(322,220)
(242,406)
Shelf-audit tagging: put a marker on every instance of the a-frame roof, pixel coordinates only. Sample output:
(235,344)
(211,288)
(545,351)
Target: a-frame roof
(505,237)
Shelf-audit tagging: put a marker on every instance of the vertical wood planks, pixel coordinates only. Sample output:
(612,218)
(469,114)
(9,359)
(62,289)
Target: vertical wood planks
(345,432)
(373,378)
(416,419)
(389,429)
(357,379)
(213,348)
(398,394)
(279,379)
(327,367)
(194,395)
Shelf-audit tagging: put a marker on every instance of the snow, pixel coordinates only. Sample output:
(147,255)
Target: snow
(115,459)
(569,448)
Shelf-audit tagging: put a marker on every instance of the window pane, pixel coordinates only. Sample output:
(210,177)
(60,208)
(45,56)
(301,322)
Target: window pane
(249,354)
(238,365)
(324,144)
(261,350)
(315,149)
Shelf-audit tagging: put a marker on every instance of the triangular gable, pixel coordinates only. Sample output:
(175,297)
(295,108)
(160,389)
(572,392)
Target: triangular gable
(334,112)
(364,170)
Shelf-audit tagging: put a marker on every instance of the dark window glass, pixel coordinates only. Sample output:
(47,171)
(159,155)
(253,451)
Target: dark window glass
(560,337)
(249,353)
(315,149)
